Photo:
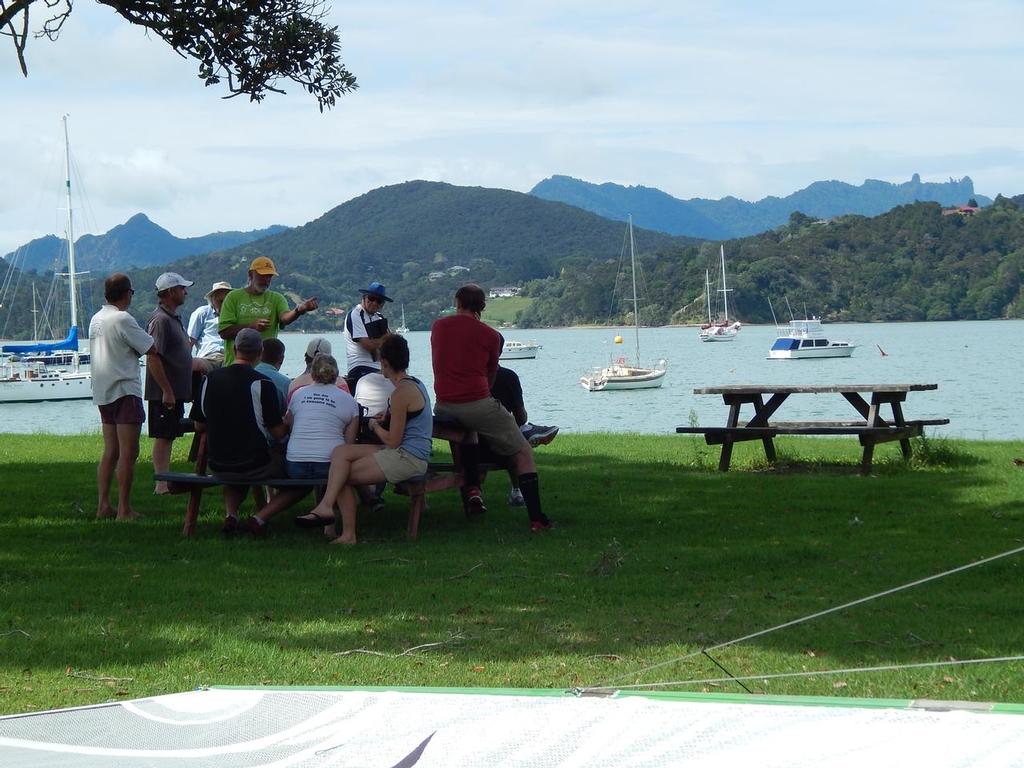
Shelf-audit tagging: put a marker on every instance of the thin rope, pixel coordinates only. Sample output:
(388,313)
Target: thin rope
(848,671)
(730,674)
(819,614)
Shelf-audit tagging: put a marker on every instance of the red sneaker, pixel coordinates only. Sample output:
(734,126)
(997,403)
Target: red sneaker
(257,529)
(230,525)
(537,526)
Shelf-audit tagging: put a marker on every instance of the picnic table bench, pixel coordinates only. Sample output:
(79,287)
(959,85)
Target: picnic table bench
(871,429)
(439,476)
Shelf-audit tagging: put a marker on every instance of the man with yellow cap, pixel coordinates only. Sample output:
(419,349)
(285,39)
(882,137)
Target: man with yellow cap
(256,306)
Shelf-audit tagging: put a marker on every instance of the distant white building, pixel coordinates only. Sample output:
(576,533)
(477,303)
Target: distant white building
(436,276)
(456,269)
(503,292)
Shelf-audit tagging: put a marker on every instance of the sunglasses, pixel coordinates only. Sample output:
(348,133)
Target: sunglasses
(374,299)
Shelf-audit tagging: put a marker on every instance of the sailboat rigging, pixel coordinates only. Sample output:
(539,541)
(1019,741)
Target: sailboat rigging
(723,330)
(33,381)
(623,374)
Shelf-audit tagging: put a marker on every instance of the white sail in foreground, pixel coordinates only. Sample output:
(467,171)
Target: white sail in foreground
(723,330)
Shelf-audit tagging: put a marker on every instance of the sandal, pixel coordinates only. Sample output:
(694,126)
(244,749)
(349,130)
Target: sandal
(313,521)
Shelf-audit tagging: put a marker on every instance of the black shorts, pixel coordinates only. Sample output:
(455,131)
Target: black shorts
(165,422)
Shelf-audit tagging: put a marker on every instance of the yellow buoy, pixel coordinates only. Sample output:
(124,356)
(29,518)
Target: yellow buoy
(618,339)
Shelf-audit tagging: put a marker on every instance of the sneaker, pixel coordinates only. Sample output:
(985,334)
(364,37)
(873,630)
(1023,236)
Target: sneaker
(538,435)
(475,504)
(515,498)
(230,525)
(256,528)
(377,506)
(538,526)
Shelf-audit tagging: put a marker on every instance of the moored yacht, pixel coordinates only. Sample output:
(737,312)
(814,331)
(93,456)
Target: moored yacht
(807,339)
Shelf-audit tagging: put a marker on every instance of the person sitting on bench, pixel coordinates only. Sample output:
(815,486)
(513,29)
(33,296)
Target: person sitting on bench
(406,434)
(240,412)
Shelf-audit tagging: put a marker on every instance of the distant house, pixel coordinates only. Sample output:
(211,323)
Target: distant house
(335,311)
(503,292)
(456,269)
(436,276)
(961,210)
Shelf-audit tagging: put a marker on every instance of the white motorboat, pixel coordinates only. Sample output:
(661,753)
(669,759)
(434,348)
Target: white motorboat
(33,381)
(722,330)
(807,339)
(623,374)
(519,350)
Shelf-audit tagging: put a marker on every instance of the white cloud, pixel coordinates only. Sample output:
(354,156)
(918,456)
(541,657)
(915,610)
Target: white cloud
(698,99)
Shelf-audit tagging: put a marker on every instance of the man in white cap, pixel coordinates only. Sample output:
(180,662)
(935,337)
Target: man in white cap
(174,347)
(256,306)
(204,333)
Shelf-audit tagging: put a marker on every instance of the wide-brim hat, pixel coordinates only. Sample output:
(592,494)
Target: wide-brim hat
(219,286)
(376,289)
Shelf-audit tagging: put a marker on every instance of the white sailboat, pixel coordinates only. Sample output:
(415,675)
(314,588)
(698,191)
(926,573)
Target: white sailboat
(622,373)
(723,330)
(35,381)
(403,328)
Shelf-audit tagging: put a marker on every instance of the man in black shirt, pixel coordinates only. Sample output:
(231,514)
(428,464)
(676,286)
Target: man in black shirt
(240,411)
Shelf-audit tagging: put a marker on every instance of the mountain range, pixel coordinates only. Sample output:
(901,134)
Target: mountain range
(136,243)
(424,239)
(731,217)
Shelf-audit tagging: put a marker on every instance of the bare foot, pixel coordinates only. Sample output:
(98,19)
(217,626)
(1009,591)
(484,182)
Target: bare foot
(105,512)
(345,540)
(329,531)
(126,515)
(161,489)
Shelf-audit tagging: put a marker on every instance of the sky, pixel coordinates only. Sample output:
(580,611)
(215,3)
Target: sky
(699,99)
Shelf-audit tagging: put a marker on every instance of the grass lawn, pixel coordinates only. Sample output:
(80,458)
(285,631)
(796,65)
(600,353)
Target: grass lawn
(656,555)
(504,311)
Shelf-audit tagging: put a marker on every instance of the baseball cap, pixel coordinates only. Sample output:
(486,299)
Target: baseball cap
(171,280)
(318,346)
(219,286)
(248,342)
(261,265)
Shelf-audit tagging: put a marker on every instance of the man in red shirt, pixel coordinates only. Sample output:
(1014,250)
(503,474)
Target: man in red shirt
(465,356)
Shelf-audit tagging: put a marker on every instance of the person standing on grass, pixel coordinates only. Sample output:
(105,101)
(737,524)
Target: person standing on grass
(116,342)
(257,307)
(203,330)
(174,346)
(465,355)
(240,412)
(365,328)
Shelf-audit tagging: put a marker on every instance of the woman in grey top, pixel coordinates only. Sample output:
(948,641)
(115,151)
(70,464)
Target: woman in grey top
(406,439)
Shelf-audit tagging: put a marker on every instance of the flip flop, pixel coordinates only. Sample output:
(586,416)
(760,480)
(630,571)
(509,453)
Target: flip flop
(313,521)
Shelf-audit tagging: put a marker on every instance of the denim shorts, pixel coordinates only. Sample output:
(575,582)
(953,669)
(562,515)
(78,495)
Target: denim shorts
(308,470)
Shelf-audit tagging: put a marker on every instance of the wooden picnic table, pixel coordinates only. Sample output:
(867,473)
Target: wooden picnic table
(871,428)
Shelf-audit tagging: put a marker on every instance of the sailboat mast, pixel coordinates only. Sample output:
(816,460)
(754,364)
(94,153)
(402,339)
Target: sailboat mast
(707,292)
(725,291)
(636,305)
(71,231)
(72,285)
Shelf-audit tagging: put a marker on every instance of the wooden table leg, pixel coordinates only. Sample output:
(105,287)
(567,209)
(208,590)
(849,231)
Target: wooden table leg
(196,494)
(897,415)
(734,416)
(759,411)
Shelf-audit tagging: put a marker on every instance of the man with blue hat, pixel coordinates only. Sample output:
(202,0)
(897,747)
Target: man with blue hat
(365,329)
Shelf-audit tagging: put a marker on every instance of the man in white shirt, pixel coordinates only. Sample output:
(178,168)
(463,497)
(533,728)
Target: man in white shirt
(365,329)
(116,342)
(202,330)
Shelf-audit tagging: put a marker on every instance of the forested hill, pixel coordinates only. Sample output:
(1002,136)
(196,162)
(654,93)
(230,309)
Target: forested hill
(731,217)
(137,243)
(401,235)
(912,263)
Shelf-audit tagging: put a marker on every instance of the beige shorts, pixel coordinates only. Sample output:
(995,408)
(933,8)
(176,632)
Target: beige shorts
(398,465)
(489,418)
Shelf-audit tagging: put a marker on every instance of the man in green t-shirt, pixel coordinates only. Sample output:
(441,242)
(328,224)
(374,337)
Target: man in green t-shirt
(256,306)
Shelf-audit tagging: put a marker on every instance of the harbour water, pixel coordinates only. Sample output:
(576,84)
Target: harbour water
(977,366)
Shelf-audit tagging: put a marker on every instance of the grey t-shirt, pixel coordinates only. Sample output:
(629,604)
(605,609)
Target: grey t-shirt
(174,346)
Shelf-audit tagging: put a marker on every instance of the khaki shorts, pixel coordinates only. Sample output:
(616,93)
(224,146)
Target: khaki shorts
(489,418)
(398,465)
